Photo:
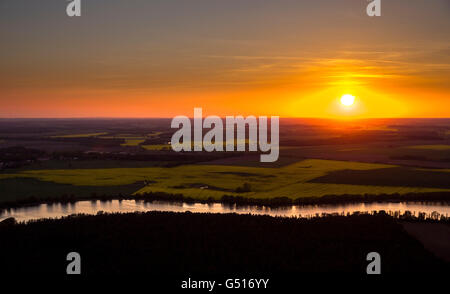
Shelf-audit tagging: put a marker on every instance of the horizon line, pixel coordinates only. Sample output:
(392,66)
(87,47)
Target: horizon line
(281,117)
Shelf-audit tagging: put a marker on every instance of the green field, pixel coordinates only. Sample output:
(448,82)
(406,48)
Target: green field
(301,179)
(21,188)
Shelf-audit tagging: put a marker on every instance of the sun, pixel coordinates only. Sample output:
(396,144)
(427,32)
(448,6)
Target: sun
(347,99)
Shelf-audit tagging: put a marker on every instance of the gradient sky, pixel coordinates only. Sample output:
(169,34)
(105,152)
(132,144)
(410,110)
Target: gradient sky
(162,58)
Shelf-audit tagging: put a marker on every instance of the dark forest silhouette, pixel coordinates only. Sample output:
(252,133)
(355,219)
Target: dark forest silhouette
(173,244)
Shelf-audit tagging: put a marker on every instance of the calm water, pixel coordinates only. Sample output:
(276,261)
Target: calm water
(92,207)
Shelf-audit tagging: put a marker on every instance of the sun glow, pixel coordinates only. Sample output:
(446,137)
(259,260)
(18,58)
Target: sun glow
(347,99)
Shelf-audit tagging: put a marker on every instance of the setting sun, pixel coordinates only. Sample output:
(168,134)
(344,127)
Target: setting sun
(347,99)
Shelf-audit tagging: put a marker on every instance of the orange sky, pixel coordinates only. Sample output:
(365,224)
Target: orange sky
(286,58)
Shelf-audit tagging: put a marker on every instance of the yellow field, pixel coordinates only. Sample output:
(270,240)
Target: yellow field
(132,142)
(203,181)
(156,147)
(431,147)
(80,135)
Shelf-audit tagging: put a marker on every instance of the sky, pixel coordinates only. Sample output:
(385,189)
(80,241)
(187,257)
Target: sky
(162,58)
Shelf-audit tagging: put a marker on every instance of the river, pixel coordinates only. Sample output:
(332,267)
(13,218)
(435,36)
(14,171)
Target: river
(58,210)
